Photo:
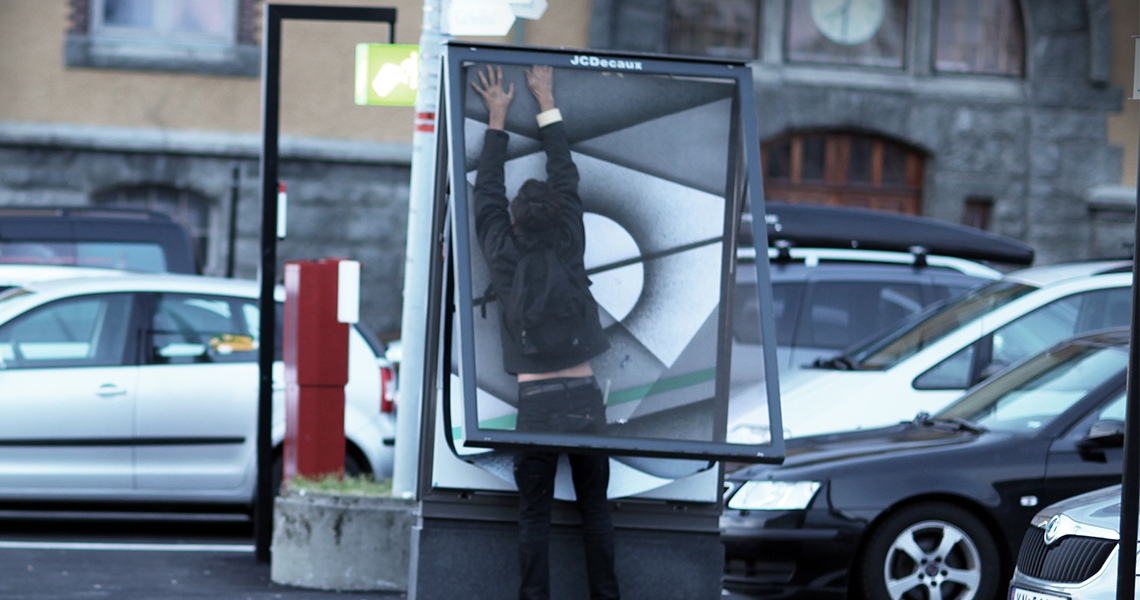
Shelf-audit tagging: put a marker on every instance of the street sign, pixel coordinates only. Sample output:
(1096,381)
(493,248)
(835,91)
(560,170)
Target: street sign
(479,18)
(387,74)
(528,9)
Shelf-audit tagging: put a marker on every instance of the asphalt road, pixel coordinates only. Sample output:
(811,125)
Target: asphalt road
(140,556)
(120,557)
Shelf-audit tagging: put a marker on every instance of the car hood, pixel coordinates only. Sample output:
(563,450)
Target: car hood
(1098,509)
(836,401)
(829,451)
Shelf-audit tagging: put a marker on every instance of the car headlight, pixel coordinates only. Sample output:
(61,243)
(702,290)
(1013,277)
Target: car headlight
(774,495)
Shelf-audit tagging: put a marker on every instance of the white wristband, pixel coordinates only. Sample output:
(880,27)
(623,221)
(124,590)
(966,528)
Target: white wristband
(548,117)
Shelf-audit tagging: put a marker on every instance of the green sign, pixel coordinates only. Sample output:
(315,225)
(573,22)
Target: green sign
(387,74)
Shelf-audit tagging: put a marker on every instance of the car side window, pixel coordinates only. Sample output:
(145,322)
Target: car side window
(251,310)
(87,331)
(1115,409)
(1028,335)
(189,328)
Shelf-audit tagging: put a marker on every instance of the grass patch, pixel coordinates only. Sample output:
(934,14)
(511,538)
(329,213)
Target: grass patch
(362,485)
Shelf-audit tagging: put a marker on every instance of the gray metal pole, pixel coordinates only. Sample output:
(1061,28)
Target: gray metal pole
(416,268)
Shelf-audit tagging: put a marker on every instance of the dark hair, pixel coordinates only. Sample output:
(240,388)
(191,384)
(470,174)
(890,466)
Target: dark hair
(535,208)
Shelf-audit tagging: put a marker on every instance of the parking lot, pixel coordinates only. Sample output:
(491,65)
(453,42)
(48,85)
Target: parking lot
(143,556)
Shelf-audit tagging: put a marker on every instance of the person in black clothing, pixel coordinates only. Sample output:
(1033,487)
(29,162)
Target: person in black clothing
(557,390)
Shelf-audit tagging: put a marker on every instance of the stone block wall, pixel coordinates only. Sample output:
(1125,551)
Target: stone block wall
(345,200)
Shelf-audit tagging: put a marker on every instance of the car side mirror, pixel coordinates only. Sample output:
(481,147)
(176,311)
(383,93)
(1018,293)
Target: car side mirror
(1102,435)
(1106,434)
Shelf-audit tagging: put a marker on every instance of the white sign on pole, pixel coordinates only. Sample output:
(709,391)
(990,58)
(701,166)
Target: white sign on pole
(479,18)
(528,9)
(348,291)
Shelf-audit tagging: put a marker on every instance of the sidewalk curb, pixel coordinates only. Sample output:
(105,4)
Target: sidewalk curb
(342,542)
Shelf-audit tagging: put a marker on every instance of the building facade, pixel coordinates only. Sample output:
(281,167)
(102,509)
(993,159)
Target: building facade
(1003,114)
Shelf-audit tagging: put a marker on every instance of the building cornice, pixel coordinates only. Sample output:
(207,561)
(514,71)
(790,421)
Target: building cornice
(212,144)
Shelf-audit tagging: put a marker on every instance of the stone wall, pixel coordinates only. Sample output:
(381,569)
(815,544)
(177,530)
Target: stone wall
(346,199)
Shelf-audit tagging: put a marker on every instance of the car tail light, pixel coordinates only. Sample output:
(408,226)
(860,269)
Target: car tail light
(387,389)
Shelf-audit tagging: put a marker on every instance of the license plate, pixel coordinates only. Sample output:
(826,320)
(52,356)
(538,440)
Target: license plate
(1020,594)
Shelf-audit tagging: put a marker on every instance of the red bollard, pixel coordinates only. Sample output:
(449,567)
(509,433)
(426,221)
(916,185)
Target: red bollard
(316,370)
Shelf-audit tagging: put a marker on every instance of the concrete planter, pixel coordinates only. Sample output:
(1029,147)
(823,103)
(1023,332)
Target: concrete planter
(342,542)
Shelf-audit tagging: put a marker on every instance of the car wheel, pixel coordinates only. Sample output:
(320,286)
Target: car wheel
(352,467)
(930,551)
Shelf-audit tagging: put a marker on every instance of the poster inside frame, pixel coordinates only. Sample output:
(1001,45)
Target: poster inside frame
(662,173)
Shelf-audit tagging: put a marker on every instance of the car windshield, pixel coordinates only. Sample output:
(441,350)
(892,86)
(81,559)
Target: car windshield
(1031,395)
(886,351)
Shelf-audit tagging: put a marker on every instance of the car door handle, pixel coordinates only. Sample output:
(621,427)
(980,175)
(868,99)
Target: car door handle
(108,390)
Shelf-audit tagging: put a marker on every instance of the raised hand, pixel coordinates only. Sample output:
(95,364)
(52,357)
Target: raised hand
(495,96)
(540,80)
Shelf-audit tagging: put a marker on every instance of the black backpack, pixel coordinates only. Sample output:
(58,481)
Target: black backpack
(548,308)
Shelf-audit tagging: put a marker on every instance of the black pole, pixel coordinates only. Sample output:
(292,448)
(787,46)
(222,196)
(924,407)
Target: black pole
(270,113)
(270,117)
(1130,483)
(231,242)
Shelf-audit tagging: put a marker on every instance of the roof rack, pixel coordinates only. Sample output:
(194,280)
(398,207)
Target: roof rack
(84,211)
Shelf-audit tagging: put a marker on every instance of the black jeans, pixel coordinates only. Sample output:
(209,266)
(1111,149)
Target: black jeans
(566,406)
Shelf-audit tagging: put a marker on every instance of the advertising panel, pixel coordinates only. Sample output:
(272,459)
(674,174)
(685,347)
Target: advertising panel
(648,163)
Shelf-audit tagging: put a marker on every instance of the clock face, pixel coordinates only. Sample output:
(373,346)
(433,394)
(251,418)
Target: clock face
(848,22)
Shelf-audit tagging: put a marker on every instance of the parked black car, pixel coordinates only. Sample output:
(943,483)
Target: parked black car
(109,238)
(935,507)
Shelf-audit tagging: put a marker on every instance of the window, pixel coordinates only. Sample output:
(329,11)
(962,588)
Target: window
(980,36)
(978,212)
(207,36)
(856,32)
(1028,335)
(189,209)
(174,22)
(720,28)
(135,256)
(201,329)
(843,312)
(842,169)
(88,331)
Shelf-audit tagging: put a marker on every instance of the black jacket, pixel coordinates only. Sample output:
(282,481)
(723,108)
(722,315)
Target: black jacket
(503,246)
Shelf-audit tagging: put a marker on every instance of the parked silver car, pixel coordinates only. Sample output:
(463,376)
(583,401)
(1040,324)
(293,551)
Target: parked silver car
(144,388)
(1071,549)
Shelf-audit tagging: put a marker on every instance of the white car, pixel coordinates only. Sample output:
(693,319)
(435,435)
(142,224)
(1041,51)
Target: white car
(929,361)
(145,388)
(826,299)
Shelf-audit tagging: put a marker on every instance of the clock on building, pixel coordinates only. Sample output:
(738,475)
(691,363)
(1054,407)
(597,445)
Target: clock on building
(848,22)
